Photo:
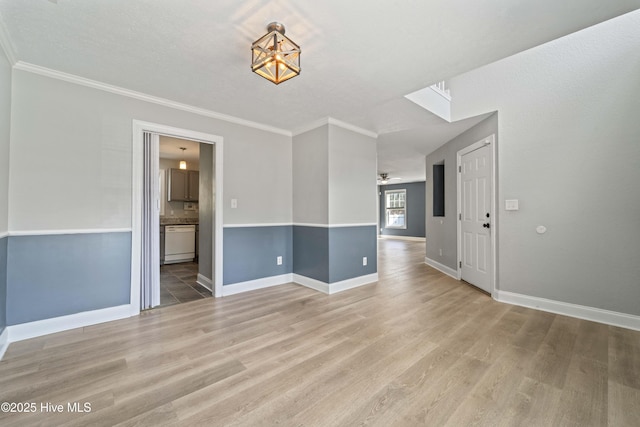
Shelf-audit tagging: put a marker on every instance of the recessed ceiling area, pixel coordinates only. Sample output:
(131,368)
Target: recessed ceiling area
(359,58)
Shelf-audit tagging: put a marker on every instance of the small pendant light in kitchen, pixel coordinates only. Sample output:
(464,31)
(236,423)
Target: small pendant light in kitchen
(183,163)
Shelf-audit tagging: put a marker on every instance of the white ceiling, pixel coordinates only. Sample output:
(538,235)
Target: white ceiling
(170,149)
(359,58)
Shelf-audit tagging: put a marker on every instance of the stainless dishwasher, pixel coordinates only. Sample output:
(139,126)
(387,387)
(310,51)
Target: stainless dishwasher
(179,243)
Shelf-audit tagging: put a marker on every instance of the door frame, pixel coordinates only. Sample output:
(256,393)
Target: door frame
(139,127)
(490,140)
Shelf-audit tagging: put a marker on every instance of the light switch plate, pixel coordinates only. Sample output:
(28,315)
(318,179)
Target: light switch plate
(234,203)
(511,205)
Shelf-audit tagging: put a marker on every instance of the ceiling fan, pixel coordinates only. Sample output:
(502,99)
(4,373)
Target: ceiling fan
(384,178)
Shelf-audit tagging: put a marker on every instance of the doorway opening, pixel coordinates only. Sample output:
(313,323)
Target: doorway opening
(185,192)
(177,216)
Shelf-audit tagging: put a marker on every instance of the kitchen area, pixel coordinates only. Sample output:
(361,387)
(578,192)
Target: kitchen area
(182,182)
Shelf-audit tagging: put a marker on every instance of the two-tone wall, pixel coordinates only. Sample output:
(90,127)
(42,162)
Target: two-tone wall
(70,193)
(415,210)
(569,152)
(334,208)
(441,231)
(5,134)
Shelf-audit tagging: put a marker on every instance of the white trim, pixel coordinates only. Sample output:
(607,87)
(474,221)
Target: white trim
(440,92)
(270,224)
(599,315)
(364,224)
(205,282)
(311,283)
(38,328)
(71,231)
(71,78)
(310,126)
(7,46)
(252,285)
(410,238)
(442,268)
(4,341)
(352,128)
(331,121)
(139,127)
(4,234)
(491,141)
(352,283)
(332,288)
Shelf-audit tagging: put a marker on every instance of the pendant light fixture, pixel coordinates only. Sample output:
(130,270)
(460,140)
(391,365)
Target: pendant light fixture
(183,163)
(274,56)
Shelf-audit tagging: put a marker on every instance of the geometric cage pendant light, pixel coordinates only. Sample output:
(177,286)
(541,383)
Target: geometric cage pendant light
(274,56)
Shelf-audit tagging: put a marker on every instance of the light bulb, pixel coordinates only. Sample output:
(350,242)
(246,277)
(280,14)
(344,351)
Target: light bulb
(183,164)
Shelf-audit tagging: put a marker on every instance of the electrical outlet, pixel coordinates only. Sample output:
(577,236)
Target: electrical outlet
(279,260)
(364,260)
(440,252)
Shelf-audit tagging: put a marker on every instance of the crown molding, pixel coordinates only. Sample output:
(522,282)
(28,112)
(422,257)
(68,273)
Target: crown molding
(72,78)
(310,126)
(335,122)
(5,42)
(352,128)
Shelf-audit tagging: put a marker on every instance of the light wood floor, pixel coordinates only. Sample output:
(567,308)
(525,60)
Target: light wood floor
(418,348)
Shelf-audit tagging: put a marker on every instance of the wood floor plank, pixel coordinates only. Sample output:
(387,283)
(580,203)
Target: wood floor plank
(623,405)
(554,353)
(624,357)
(415,348)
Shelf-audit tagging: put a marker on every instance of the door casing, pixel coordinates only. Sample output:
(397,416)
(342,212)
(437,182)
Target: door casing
(139,127)
(490,141)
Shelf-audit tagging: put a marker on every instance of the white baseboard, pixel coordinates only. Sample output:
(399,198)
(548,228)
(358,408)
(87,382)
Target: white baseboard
(252,285)
(599,315)
(410,238)
(205,282)
(332,288)
(4,341)
(441,267)
(311,283)
(38,328)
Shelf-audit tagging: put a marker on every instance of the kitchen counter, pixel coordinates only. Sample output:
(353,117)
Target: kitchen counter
(178,221)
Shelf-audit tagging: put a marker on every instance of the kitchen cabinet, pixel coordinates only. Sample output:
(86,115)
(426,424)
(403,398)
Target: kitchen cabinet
(183,185)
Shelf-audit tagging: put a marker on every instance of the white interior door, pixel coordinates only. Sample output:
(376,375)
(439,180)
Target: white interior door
(150,274)
(476,170)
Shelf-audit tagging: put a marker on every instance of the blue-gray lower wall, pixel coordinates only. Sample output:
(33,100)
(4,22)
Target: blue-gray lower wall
(3,283)
(347,247)
(55,275)
(334,254)
(415,210)
(311,252)
(250,253)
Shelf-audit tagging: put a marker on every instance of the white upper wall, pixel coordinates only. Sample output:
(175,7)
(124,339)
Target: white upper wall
(310,177)
(5,126)
(71,155)
(569,152)
(352,177)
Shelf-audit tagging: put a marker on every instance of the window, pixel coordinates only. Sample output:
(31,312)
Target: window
(396,208)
